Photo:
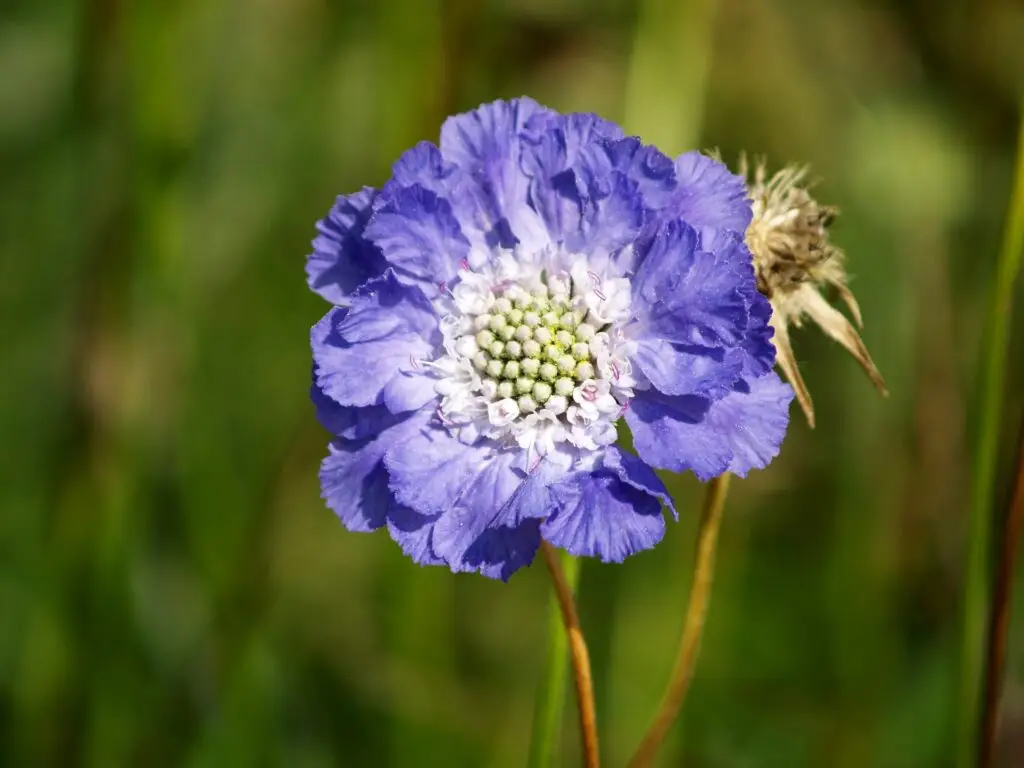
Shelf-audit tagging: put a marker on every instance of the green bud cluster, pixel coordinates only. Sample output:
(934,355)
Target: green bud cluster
(533,348)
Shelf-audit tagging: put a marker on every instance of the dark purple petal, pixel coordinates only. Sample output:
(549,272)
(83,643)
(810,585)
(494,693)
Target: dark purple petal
(342,259)
(413,532)
(350,422)
(690,296)
(354,484)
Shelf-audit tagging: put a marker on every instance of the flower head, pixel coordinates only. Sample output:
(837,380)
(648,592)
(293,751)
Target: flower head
(788,236)
(502,303)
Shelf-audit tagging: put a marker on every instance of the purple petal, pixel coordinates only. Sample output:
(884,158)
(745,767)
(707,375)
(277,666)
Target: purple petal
(677,369)
(486,145)
(466,487)
(361,350)
(709,195)
(672,432)
(413,532)
(420,238)
(342,259)
(610,513)
(689,296)
(350,422)
(354,484)
(753,421)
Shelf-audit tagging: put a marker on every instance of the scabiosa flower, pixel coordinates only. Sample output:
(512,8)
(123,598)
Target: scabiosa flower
(788,236)
(503,302)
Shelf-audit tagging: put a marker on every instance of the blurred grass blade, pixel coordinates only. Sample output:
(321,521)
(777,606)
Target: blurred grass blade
(999,625)
(668,72)
(547,714)
(979,545)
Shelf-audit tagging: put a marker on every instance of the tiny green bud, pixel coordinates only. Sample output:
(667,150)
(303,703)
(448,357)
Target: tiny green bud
(497,348)
(543,335)
(485,338)
(506,332)
(497,323)
(524,385)
(527,404)
(564,387)
(566,363)
(530,366)
(514,349)
(585,331)
(552,353)
(503,305)
(494,368)
(524,332)
(505,390)
(542,391)
(531,319)
(480,360)
(581,350)
(514,316)
(584,371)
(531,348)
(481,321)
(511,369)
(550,318)
(548,371)
(564,338)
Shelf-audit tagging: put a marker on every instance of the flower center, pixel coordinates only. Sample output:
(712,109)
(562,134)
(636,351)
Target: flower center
(536,357)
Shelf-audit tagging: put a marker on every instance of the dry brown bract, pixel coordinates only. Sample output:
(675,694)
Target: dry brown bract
(794,259)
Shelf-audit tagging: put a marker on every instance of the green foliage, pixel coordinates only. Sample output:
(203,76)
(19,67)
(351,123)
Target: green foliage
(172,590)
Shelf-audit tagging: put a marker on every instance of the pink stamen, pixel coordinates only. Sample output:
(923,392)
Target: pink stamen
(414,363)
(600,295)
(594,278)
(615,370)
(442,286)
(535,464)
(464,264)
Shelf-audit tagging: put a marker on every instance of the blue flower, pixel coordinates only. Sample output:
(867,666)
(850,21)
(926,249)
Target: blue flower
(501,304)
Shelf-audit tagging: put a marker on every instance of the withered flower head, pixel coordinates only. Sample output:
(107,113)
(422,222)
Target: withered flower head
(795,261)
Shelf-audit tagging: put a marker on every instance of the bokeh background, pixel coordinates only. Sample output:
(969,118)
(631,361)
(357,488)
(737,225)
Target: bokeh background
(172,590)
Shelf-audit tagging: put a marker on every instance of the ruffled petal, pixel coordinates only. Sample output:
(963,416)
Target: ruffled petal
(342,259)
(753,419)
(609,513)
(678,369)
(687,295)
(413,533)
(707,194)
(420,238)
(486,144)
(359,351)
(671,432)
(350,422)
(354,483)
(465,489)
(741,431)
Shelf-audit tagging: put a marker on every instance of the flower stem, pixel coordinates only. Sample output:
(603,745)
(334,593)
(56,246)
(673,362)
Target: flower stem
(977,590)
(693,625)
(546,722)
(547,714)
(1013,531)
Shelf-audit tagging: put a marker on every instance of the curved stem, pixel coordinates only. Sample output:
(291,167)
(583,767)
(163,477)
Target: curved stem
(579,656)
(547,715)
(693,625)
(978,586)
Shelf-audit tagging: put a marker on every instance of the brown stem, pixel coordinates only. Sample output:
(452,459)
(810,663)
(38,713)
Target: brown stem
(693,625)
(1000,614)
(578,655)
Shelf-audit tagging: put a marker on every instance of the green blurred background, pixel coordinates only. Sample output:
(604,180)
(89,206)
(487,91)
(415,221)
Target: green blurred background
(172,590)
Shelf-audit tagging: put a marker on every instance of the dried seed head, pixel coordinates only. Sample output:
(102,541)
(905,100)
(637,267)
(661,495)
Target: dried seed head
(794,259)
